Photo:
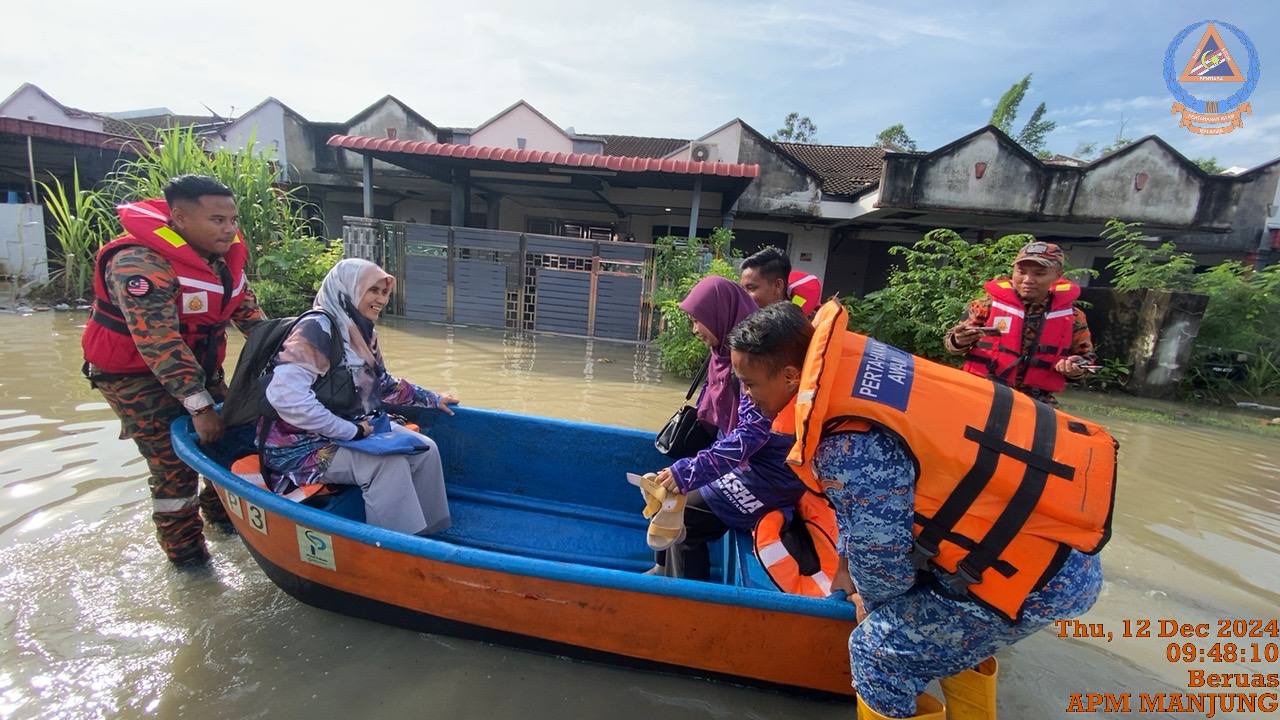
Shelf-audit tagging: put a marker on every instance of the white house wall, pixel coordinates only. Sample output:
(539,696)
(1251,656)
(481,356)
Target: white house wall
(522,122)
(264,126)
(726,141)
(22,243)
(29,104)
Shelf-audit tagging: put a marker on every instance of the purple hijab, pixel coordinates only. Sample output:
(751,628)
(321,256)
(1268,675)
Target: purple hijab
(720,304)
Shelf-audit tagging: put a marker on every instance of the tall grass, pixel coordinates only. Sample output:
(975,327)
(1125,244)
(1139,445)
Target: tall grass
(83,221)
(269,214)
(285,257)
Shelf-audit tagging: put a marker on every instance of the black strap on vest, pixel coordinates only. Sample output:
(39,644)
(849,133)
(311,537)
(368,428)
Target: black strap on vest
(993,443)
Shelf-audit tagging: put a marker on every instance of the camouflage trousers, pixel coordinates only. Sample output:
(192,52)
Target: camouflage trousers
(145,410)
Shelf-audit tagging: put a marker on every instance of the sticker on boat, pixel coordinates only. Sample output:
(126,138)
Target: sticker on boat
(233,505)
(256,517)
(316,547)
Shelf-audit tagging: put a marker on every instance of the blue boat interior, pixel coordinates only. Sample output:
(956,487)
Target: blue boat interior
(552,490)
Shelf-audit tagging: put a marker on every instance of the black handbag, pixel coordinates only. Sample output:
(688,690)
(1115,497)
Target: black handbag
(684,434)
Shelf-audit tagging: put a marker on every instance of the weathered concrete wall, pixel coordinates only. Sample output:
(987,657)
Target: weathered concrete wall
(1175,193)
(387,116)
(1170,195)
(1152,330)
(1258,194)
(782,189)
(22,244)
(1010,184)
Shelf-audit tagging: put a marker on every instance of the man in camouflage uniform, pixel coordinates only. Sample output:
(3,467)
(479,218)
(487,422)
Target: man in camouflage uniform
(156,339)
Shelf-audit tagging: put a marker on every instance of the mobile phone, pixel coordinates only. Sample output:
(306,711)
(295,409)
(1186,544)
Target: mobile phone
(989,330)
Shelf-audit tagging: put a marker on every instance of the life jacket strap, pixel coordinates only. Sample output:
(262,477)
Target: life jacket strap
(992,444)
(108,316)
(1039,466)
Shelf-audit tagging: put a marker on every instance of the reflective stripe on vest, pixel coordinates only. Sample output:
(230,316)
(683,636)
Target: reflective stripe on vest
(1002,358)
(203,309)
(819,521)
(1006,485)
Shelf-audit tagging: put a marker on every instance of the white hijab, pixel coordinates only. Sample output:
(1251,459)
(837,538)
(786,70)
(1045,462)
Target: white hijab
(340,294)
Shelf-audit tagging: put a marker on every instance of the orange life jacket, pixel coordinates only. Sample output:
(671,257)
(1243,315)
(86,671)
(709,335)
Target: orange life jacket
(1001,358)
(205,303)
(819,521)
(1006,485)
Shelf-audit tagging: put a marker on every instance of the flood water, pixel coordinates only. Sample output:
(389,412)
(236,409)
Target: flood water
(96,624)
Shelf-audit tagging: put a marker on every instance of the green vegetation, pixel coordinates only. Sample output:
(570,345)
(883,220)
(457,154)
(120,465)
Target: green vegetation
(942,273)
(796,128)
(83,221)
(1242,317)
(1033,134)
(679,264)
(287,260)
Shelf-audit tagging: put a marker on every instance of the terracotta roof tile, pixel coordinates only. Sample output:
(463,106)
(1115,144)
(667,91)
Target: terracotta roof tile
(640,146)
(844,169)
(617,163)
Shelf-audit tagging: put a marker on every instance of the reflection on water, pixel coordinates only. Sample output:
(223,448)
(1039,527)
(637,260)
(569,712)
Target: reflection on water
(96,624)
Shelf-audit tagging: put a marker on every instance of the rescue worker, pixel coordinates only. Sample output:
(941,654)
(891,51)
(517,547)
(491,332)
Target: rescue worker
(1026,332)
(767,276)
(957,539)
(764,275)
(155,340)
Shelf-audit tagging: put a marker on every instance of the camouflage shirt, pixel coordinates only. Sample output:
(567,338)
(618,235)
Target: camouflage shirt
(153,321)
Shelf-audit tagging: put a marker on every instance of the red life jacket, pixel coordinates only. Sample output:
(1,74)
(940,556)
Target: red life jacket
(805,291)
(1000,358)
(205,304)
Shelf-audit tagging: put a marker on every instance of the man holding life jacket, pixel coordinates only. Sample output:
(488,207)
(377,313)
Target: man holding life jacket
(768,278)
(164,293)
(968,514)
(1027,332)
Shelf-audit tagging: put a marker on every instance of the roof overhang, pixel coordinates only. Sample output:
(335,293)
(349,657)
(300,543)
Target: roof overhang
(70,136)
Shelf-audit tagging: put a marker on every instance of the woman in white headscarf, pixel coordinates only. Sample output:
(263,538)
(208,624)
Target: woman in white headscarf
(403,492)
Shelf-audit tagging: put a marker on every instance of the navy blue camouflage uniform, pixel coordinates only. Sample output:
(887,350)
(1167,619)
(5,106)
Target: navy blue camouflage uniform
(913,633)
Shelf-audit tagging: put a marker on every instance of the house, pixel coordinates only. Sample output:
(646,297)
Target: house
(836,209)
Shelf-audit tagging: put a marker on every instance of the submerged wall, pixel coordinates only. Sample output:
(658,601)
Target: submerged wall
(1152,330)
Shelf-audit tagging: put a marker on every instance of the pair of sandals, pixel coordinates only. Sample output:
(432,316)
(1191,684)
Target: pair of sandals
(663,509)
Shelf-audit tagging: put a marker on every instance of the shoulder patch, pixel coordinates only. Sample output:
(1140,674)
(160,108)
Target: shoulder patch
(138,286)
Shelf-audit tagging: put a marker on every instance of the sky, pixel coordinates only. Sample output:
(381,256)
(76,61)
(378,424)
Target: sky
(673,69)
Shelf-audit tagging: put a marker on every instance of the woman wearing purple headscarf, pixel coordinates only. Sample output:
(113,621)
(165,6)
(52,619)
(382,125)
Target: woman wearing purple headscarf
(716,305)
(744,473)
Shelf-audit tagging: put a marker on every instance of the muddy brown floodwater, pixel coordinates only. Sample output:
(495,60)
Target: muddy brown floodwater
(96,624)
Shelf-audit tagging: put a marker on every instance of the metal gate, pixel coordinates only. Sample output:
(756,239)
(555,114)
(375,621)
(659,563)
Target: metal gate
(520,281)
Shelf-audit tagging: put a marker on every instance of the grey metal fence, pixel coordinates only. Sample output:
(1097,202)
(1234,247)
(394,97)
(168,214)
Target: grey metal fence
(520,281)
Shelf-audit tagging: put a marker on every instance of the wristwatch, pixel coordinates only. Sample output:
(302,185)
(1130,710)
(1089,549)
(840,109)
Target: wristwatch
(361,433)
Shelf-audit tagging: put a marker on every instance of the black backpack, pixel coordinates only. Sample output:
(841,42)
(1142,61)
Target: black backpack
(247,394)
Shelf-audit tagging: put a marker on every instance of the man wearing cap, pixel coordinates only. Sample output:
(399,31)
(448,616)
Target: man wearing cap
(1027,332)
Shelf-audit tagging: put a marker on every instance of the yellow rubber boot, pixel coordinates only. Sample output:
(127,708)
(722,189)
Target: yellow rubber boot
(971,695)
(928,707)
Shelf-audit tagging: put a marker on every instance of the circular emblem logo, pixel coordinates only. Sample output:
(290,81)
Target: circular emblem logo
(1212,63)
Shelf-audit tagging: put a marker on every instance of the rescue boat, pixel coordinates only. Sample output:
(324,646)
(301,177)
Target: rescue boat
(546,552)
